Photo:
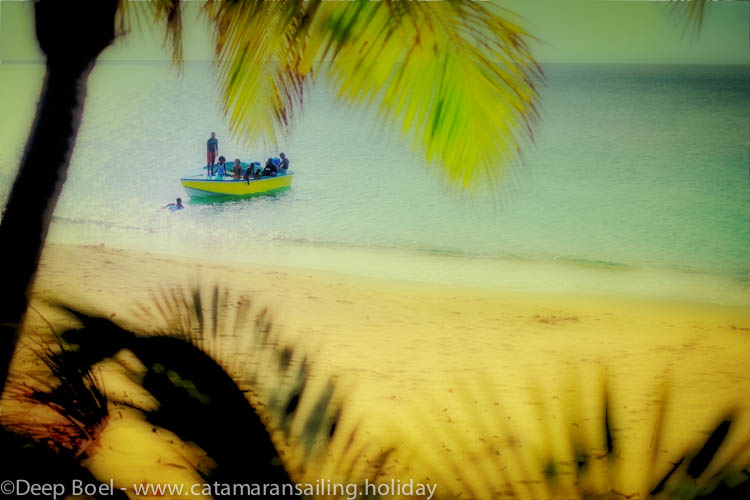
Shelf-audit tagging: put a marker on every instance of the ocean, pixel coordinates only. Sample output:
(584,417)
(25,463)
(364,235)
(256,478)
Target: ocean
(636,183)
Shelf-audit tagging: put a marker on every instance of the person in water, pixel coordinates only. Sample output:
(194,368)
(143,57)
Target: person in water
(174,206)
(284,162)
(221,168)
(212,149)
(270,168)
(237,170)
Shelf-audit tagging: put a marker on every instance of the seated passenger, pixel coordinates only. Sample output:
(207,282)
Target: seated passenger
(237,170)
(248,173)
(270,168)
(284,162)
(221,169)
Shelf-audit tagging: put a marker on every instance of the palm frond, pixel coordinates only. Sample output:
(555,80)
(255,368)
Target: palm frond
(61,407)
(303,411)
(255,47)
(457,77)
(574,453)
(690,13)
(42,465)
(225,378)
(154,12)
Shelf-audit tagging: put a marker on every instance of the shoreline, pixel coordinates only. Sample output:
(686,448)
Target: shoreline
(559,276)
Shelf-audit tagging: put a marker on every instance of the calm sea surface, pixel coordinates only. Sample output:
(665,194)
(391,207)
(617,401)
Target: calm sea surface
(634,168)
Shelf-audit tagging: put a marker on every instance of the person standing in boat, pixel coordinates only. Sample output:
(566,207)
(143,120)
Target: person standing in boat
(212,149)
(284,162)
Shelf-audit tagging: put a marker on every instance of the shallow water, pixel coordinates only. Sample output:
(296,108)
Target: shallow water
(635,169)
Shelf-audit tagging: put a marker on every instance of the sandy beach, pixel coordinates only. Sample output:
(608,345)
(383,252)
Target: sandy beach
(462,382)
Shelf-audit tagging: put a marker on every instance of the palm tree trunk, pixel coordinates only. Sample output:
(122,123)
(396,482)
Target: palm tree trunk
(72,41)
(27,215)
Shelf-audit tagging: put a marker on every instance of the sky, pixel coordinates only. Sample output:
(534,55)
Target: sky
(569,31)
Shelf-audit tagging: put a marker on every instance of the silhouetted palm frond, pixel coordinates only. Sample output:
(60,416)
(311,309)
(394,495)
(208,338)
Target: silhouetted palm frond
(576,454)
(52,422)
(28,460)
(302,411)
(197,350)
(78,406)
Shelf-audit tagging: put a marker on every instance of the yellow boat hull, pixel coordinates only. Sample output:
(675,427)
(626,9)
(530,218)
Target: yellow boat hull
(202,188)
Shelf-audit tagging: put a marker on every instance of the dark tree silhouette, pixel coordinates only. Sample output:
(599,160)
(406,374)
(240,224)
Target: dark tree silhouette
(199,401)
(71,36)
(187,371)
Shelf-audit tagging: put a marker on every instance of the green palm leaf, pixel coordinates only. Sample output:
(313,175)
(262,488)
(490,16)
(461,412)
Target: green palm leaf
(457,77)
(690,12)
(133,14)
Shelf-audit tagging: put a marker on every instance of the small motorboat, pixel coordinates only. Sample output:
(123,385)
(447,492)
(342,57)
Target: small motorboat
(203,186)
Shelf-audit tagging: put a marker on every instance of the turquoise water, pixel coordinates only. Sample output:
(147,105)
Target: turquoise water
(633,168)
